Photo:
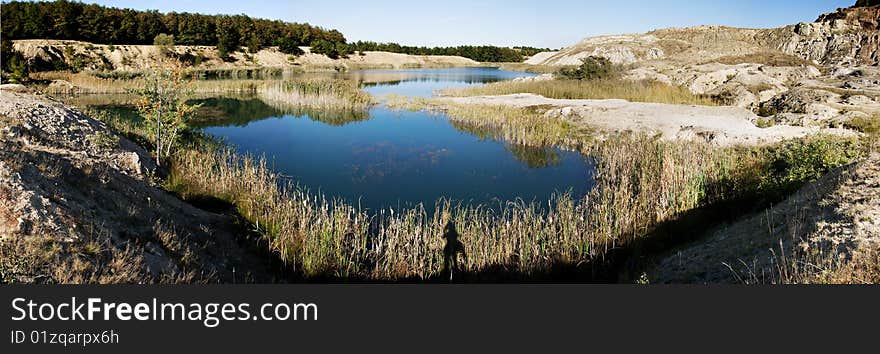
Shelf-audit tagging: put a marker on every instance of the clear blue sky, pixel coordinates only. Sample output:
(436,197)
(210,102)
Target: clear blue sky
(543,23)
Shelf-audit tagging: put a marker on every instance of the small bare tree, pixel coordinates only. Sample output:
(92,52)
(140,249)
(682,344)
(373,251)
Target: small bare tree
(163,105)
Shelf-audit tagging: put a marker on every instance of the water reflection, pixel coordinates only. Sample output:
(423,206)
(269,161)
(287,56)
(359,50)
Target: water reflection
(382,158)
(425,82)
(534,156)
(242,110)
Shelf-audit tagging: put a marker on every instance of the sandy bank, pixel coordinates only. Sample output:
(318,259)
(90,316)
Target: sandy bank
(720,125)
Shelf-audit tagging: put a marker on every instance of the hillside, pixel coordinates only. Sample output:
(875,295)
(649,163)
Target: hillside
(47,54)
(844,37)
(78,203)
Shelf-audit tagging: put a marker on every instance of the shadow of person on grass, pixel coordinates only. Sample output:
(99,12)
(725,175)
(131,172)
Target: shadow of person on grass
(451,265)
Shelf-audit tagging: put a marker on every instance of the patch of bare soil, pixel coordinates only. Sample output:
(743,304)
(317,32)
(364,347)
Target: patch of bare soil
(806,238)
(78,205)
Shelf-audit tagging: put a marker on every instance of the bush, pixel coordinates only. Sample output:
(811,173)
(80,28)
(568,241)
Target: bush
(805,160)
(325,47)
(254,45)
(591,68)
(164,43)
(290,46)
(15,68)
(75,62)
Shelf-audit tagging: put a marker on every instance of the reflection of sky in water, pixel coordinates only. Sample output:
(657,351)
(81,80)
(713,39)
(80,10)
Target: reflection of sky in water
(392,159)
(424,82)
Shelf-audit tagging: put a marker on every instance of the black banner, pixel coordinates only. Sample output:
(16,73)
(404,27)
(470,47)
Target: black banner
(414,318)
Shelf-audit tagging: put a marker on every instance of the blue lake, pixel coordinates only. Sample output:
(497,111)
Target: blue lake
(385,158)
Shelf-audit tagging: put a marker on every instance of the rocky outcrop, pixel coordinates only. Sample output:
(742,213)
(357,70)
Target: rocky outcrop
(78,204)
(844,37)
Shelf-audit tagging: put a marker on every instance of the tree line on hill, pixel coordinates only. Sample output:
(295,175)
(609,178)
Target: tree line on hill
(479,53)
(69,20)
(108,25)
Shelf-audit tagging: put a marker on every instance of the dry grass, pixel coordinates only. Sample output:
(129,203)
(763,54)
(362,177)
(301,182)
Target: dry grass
(870,126)
(524,126)
(860,266)
(91,259)
(296,91)
(86,83)
(327,94)
(634,91)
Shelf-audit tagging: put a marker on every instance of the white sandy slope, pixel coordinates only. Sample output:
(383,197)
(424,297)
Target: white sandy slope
(136,57)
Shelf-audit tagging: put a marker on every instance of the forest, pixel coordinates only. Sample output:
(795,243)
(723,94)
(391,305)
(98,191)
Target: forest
(478,53)
(69,20)
(108,25)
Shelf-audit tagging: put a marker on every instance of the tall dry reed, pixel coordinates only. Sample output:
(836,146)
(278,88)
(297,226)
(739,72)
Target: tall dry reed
(634,91)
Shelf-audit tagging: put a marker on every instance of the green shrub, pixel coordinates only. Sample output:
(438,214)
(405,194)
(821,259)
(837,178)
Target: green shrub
(290,46)
(331,49)
(254,44)
(15,68)
(591,68)
(164,43)
(795,162)
(765,122)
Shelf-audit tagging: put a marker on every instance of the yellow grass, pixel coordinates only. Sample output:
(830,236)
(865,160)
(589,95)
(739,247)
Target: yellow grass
(329,94)
(635,91)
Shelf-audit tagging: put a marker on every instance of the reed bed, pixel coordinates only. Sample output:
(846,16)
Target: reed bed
(641,182)
(524,126)
(634,91)
(316,93)
(323,237)
(292,91)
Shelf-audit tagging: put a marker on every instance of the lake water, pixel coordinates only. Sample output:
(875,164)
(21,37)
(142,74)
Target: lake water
(384,158)
(392,158)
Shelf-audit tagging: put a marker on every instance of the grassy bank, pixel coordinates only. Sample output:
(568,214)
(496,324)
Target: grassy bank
(634,91)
